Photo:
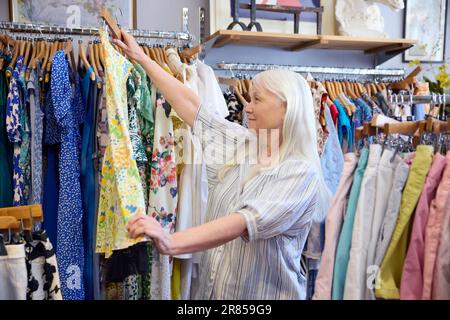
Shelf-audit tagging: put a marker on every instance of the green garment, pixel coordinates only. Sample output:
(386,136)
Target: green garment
(6,149)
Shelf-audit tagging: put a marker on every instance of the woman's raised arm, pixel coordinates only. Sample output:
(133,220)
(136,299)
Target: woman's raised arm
(181,98)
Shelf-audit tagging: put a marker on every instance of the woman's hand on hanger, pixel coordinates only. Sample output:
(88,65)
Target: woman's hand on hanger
(143,225)
(184,100)
(203,237)
(130,47)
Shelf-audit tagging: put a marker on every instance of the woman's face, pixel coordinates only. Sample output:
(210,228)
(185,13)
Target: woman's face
(265,110)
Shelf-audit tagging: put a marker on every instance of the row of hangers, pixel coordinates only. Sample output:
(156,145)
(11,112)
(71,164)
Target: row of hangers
(335,88)
(20,219)
(42,49)
(239,86)
(420,132)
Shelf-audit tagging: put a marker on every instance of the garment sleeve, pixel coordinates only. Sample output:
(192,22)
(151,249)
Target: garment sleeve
(218,139)
(284,205)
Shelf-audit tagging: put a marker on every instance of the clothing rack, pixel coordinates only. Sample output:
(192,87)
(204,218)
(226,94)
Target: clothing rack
(394,73)
(88,31)
(414,99)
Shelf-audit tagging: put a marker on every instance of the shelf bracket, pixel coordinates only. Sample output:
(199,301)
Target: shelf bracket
(224,41)
(308,45)
(383,54)
(389,48)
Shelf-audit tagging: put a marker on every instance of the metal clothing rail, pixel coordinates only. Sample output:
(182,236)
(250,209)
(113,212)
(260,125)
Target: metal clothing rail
(435,99)
(88,31)
(318,70)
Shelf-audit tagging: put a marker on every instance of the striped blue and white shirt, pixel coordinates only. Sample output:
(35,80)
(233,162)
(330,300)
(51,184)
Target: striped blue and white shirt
(277,205)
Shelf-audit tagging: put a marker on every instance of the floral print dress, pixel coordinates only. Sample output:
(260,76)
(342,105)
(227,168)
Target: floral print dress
(121,194)
(14,130)
(163,194)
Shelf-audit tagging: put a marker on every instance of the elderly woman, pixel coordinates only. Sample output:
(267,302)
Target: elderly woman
(259,212)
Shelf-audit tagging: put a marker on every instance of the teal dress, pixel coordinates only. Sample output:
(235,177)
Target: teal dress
(345,238)
(6,149)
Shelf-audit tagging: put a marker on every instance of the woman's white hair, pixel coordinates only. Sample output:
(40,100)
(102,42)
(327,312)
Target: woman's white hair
(299,129)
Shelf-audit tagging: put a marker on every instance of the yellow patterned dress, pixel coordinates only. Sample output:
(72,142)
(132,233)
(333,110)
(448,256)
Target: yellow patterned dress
(121,193)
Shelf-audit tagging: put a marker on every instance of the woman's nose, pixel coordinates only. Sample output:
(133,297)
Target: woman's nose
(248,108)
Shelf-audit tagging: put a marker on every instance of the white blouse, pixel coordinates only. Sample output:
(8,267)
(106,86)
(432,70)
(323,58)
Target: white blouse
(277,204)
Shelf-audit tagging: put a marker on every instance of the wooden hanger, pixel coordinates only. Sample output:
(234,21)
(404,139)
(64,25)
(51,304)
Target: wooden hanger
(113,27)
(410,128)
(337,87)
(368,89)
(371,130)
(346,89)
(178,73)
(361,88)
(379,87)
(48,46)
(356,89)
(374,89)
(233,84)
(26,55)
(15,56)
(7,40)
(190,53)
(329,89)
(68,51)
(82,56)
(21,214)
(153,55)
(9,223)
(36,212)
(23,44)
(249,84)
(164,56)
(406,83)
(436,126)
(45,58)
(34,50)
(405,128)
(97,56)
(350,90)
(92,58)
(147,51)
(38,53)
(53,50)
(160,57)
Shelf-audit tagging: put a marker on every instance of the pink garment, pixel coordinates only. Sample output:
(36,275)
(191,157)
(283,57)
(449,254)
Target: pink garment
(412,283)
(439,207)
(441,277)
(333,225)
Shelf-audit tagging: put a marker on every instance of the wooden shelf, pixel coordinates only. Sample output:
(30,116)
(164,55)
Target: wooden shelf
(298,42)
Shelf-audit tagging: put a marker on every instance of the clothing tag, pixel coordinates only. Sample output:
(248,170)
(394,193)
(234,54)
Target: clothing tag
(3,251)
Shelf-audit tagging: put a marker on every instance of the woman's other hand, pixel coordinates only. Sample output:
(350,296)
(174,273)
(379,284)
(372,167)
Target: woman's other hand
(130,46)
(143,225)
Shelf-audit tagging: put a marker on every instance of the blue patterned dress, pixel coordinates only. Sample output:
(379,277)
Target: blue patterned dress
(37,128)
(14,130)
(70,251)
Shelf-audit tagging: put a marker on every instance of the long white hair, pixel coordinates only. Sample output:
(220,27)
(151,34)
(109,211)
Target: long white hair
(299,134)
